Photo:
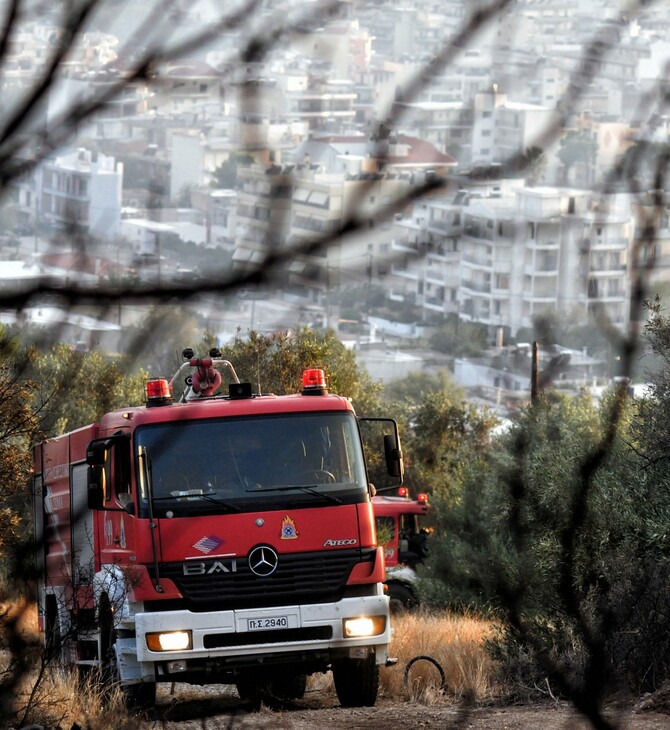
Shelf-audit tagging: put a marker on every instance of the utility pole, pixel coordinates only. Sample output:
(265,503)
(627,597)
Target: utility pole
(534,374)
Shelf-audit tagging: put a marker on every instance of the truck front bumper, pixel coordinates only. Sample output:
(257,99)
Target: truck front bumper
(237,638)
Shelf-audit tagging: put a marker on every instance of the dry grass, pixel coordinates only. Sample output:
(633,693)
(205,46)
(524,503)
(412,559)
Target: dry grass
(55,697)
(63,698)
(455,642)
(21,614)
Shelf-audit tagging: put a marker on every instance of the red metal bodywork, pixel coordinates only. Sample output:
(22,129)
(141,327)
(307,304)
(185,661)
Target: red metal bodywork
(116,537)
(394,508)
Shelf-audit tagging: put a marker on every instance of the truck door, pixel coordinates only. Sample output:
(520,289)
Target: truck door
(83,548)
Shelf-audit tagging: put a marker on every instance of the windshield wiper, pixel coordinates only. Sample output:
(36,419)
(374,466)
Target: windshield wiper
(206,496)
(313,489)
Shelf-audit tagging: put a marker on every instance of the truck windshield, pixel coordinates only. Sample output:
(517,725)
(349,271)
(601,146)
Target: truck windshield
(250,463)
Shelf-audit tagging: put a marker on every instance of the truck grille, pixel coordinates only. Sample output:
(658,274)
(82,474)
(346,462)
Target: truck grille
(299,578)
(315,633)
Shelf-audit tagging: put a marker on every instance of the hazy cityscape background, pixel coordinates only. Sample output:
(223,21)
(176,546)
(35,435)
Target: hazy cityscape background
(441,183)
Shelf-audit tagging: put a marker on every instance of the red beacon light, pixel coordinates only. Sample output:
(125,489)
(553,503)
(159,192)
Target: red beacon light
(158,392)
(314,382)
(403,492)
(422,498)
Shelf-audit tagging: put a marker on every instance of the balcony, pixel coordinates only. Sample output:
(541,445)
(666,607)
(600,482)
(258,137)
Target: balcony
(543,244)
(445,227)
(405,246)
(616,244)
(480,287)
(484,262)
(404,273)
(538,297)
(534,272)
(434,277)
(434,304)
(476,231)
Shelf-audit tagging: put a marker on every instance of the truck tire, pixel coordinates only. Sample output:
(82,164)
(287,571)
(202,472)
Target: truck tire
(356,681)
(53,643)
(141,697)
(401,598)
(256,688)
(138,697)
(289,686)
(251,688)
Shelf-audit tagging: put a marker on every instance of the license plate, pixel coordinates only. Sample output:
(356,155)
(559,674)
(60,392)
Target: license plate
(270,622)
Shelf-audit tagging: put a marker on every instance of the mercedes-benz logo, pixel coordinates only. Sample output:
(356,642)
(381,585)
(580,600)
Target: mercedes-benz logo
(263,560)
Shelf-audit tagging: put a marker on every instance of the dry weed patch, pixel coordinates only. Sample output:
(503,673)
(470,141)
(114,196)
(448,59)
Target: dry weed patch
(62,698)
(455,642)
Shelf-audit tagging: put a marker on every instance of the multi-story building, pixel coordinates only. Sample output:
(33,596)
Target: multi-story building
(76,190)
(325,104)
(426,258)
(510,256)
(330,180)
(263,213)
(186,86)
(322,204)
(502,128)
(220,212)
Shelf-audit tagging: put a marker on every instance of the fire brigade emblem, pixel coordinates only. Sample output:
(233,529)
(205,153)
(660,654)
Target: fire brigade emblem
(207,544)
(288,531)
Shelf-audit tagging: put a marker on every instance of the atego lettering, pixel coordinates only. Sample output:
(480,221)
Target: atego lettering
(209,568)
(337,543)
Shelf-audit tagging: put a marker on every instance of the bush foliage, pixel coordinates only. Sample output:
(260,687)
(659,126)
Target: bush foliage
(561,526)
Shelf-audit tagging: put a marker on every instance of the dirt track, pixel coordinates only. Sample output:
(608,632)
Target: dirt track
(193,708)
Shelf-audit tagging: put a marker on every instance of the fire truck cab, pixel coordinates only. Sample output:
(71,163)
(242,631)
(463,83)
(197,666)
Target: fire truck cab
(218,539)
(402,531)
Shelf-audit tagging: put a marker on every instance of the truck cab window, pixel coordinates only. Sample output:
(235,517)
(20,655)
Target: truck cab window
(245,461)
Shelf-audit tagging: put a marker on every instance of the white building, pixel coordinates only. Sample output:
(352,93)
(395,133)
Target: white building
(515,254)
(79,190)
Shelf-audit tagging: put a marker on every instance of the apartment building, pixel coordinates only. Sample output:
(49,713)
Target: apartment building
(505,257)
(445,124)
(503,128)
(76,189)
(426,258)
(219,208)
(325,104)
(186,86)
(263,213)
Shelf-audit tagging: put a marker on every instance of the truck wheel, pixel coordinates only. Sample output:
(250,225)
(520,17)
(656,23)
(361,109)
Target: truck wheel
(356,681)
(140,696)
(251,689)
(289,687)
(53,646)
(137,696)
(401,598)
(256,688)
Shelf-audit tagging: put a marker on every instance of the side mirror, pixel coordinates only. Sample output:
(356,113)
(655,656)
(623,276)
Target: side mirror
(393,456)
(108,462)
(97,453)
(383,455)
(96,486)
(97,457)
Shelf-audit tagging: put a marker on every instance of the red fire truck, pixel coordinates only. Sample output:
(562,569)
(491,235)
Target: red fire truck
(216,539)
(402,531)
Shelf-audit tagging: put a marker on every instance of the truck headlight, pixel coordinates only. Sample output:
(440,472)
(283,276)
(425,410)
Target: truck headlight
(169,641)
(364,626)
